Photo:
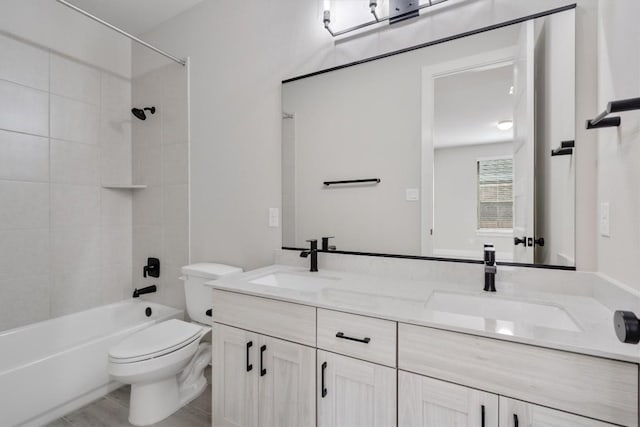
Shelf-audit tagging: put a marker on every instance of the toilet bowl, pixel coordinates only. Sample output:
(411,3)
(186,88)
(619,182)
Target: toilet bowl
(165,363)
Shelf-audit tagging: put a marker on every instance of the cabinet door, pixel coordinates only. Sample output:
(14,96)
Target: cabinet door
(426,402)
(235,377)
(353,393)
(287,395)
(515,413)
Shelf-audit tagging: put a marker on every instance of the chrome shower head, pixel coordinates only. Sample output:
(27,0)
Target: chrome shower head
(140,112)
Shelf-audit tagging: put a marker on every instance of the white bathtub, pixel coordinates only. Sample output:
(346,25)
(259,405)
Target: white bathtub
(50,368)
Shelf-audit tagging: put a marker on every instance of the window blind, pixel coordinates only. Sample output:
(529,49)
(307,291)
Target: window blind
(495,194)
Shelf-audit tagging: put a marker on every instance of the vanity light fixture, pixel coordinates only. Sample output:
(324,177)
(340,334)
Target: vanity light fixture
(402,11)
(505,125)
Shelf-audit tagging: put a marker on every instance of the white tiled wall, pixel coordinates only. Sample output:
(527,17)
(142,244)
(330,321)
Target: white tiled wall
(65,129)
(160,160)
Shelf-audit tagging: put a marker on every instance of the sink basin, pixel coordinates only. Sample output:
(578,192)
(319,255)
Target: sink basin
(295,281)
(493,307)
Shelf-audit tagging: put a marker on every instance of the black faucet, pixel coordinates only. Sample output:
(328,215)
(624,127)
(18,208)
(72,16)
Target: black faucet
(490,268)
(325,244)
(148,290)
(152,268)
(313,251)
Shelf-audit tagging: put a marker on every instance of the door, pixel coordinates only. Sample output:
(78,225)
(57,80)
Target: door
(287,384)
(354,393)
(515,413)
(426,402)
(523,144)
(235,379)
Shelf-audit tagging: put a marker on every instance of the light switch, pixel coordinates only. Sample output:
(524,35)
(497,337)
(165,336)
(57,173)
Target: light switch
(413,194)
(605,219)
(274,217)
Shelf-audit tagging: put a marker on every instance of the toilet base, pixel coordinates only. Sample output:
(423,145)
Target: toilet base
(152,402)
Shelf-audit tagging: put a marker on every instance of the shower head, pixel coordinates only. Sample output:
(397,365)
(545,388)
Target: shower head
(140,112)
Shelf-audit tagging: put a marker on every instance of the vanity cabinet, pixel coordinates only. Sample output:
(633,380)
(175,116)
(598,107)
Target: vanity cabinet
(354,393)
(515,413)
(427,402)
(264,381)
(279,364)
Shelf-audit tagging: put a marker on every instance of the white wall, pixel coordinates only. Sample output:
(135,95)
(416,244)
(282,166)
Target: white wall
(65,242)
(54,26)
(241,50)
(160,161)
(455,232)
(555,176)
(619,148)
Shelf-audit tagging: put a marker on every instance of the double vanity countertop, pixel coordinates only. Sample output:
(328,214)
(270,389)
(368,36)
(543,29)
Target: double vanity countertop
(562,321)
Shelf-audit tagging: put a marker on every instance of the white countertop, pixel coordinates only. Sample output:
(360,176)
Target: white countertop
(412,301)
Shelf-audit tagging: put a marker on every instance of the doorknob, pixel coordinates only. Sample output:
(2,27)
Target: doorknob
(539,241)
(517,241)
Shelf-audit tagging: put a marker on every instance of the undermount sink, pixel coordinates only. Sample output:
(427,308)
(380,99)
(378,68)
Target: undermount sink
(295,281)
(494,307)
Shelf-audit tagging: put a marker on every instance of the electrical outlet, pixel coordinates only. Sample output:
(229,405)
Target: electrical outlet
(274,217)
(605,219)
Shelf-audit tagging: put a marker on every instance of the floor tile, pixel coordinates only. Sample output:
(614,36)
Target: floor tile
(101,413)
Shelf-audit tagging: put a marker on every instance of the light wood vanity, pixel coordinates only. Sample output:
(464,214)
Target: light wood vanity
(279,363)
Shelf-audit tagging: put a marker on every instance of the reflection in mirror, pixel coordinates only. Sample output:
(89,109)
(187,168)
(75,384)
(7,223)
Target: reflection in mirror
(459,135)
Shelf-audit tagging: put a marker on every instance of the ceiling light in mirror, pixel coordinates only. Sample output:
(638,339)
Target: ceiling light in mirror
(505,124)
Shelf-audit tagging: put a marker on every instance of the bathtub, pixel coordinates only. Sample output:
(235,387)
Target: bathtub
(50,368)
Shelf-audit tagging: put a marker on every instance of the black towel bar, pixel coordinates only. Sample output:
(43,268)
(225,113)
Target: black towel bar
(565,149)
(602,121)
(353,181)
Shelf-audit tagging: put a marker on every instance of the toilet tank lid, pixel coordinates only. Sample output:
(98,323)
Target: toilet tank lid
(209,270)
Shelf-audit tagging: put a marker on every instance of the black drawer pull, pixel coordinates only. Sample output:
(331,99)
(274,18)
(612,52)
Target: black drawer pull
(482,413)
(263,371)
(515,420)
(324,389)
(249,366)
(365,340)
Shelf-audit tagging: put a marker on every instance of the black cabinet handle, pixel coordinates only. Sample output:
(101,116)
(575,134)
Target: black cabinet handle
(324,389)
(517,241)
(249,366)
(364,340)
(263,371)
(515,420)
(482,414)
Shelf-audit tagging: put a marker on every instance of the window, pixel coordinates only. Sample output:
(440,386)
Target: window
(495,194)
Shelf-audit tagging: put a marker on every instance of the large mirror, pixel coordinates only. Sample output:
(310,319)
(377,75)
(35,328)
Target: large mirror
(437,151)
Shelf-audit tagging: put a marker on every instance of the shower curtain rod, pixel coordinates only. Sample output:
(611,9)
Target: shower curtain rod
(124,33)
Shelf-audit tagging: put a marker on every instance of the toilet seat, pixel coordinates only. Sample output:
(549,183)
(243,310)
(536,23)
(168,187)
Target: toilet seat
(155,341)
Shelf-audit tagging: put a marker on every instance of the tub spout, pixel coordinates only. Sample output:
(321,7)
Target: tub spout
(148,290)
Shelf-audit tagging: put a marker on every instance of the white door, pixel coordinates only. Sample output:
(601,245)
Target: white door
(426,402)
(514,413)
(235,377)
(287,395)
(354,393)
(523,144)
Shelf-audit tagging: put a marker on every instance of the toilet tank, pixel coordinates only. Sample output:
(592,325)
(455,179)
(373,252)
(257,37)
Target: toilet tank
(199,298)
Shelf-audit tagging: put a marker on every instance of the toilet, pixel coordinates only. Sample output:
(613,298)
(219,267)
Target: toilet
(165,363)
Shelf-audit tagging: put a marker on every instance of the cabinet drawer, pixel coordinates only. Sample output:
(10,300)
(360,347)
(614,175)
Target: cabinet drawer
(358,336)
(599,388)
(293,322)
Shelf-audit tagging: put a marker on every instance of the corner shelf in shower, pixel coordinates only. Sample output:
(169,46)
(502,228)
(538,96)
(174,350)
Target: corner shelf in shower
(125,187)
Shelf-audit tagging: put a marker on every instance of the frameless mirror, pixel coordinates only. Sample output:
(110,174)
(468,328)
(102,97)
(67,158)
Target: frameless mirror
(437,151)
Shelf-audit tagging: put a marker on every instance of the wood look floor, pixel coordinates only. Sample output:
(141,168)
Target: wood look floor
(113,411)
